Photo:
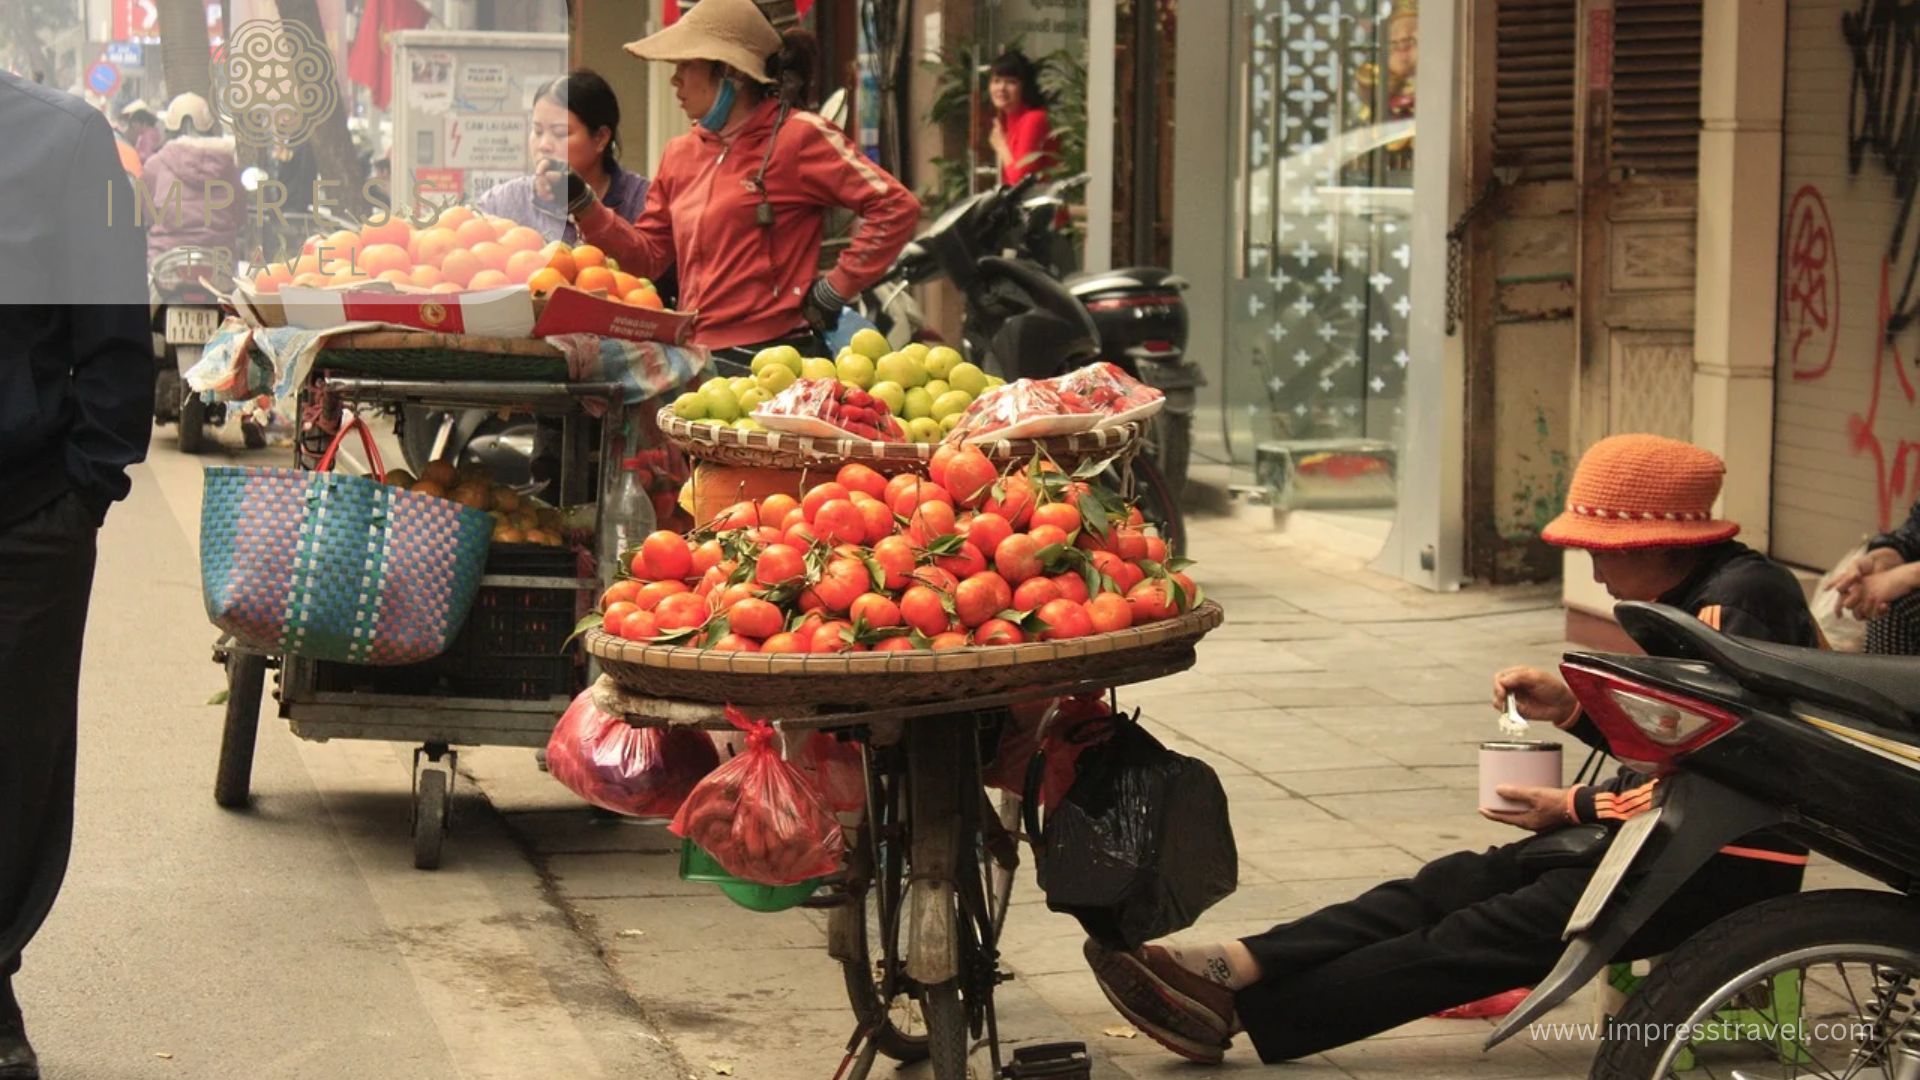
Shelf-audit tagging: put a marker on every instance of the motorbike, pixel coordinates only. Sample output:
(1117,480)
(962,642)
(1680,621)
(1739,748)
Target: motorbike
(1825,748)
(1026,318)
(184,307)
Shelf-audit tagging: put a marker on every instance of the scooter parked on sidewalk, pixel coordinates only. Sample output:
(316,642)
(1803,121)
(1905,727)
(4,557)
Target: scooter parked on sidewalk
(1023,321)
(1823,746)
(185,310)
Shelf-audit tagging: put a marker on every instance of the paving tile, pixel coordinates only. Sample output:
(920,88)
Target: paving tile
(1360,653)
(624,874)
(1347,781)
(1440,1056)
(1440,686)
(1289,867)
(576,830)
(1307,696)
(1384,806)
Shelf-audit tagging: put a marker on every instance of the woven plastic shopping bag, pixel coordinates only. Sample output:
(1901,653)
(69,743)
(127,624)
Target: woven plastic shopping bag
(336,567)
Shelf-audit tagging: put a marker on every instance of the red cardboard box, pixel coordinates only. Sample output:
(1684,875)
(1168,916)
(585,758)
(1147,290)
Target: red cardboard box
(571,311)
(502,312)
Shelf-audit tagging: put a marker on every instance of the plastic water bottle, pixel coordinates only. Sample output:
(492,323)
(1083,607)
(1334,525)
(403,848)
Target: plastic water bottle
(626,519)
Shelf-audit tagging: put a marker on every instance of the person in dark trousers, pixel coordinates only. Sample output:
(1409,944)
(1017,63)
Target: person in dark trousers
(76,408)
(1474,924)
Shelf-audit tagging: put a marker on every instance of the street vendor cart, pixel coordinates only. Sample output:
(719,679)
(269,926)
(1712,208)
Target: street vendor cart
(916,912)
(506,674)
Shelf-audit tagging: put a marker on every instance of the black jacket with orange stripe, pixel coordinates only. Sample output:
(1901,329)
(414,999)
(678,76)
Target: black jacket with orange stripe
(1738,591)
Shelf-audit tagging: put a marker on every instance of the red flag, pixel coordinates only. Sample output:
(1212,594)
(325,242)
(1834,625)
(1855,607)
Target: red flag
(371,62)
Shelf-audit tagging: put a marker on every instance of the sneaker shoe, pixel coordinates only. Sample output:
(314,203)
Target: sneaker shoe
(1134,983)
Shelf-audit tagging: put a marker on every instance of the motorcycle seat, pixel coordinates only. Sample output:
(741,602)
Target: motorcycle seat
(1884,690)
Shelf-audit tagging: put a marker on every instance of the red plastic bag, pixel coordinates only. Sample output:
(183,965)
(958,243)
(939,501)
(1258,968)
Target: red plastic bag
(645,772)
(1024,409)
(1071,725)
(759,818)
(1107,388)
(837,770)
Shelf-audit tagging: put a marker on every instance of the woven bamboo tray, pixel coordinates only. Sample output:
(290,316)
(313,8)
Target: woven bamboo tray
(873,679)
(780,450)
(404,354)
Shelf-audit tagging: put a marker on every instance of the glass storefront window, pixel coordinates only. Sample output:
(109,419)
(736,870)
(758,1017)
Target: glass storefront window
(1318,317)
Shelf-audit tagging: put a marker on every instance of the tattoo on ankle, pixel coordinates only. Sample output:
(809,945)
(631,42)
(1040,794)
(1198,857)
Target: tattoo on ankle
(1218,971)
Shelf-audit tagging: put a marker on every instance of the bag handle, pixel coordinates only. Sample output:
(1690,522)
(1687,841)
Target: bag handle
(366,439)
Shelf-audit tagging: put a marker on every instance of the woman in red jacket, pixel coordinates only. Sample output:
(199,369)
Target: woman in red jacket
(1022,136)
(738,204)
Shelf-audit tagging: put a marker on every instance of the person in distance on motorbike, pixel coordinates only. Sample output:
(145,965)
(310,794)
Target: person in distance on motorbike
(183,178)
(1474,924)
(737,205)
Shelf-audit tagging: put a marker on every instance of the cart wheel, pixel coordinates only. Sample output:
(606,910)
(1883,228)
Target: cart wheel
(430,798)
(233,780)
(946,1031)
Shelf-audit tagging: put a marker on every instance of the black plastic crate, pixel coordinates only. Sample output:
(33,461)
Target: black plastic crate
(512,647)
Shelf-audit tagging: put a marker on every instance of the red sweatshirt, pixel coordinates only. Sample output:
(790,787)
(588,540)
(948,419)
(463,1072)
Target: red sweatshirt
(747,280)
(1029,133)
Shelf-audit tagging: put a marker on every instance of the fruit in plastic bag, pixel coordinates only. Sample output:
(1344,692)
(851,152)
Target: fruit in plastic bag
(839,405)
(1107,388)
(837,771)
(643,772)
(1022,402)
(759,818)
(1142,843)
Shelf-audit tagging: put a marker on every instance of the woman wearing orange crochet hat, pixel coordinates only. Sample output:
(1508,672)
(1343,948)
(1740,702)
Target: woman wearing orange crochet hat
(1477,923)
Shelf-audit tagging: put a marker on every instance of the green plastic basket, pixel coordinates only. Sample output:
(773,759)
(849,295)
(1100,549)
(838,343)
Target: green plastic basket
(697,865)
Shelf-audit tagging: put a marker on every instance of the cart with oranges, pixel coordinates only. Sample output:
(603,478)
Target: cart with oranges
(850,647)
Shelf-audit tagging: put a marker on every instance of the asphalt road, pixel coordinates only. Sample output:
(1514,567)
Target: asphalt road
(293,939)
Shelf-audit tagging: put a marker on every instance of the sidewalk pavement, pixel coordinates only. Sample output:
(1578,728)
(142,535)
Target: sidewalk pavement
(1342,710)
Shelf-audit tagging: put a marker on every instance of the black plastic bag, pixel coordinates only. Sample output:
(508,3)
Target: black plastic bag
(1109,854)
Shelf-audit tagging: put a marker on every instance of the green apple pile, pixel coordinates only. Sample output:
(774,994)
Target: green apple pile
(927,388)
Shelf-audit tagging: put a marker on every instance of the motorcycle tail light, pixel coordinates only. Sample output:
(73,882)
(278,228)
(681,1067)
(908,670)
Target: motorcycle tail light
(1647,728)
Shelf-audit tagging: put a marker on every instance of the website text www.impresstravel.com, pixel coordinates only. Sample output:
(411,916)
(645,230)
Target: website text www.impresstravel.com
(1759,1030)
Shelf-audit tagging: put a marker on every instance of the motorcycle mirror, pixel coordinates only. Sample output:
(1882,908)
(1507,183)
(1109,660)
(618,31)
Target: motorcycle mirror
(252,177)
(834,109)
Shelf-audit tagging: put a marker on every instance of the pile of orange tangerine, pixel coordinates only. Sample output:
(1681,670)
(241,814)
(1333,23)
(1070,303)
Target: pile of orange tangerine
(463,250)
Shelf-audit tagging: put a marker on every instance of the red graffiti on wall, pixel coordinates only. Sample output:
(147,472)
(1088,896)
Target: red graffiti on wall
(1894,472)
(1811,290)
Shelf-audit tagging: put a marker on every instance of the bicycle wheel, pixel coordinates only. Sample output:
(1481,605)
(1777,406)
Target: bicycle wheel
(874,971)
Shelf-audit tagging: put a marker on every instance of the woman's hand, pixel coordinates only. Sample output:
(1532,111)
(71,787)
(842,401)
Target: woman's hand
(1540,696)
(997,137)
(1546,807)
(1872,596)
(1877,561)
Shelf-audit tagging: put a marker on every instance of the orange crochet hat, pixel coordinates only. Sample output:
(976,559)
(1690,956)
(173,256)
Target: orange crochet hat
(1642,491)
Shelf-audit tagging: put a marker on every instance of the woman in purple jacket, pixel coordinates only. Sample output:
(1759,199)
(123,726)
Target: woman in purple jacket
(194,184)
(576,119)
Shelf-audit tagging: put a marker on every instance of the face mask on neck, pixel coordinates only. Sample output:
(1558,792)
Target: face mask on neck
(716,117)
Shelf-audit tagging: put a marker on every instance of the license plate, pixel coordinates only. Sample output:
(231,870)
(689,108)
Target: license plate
(190,325)
(1613,867)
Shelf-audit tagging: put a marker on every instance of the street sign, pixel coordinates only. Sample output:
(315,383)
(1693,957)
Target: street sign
(126,54)
(103,78)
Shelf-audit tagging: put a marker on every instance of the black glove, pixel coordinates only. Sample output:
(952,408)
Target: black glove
(821,308)
(577,195)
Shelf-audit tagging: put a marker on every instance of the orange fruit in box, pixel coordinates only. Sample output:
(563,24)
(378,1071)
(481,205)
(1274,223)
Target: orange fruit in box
(426,277)
(350,277)
(545,280)
(446,287)
(560,258)
(454,216)
(431,245)
(492,255)
(594,279)
(271,278)
(474,232)
(380,258)
(522,238)
(646,296)
(585,255)
(488,279)
(624,283)
(343,245)
(394,230)
(459,266)
(310,280)
(522,264)
(397,277)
